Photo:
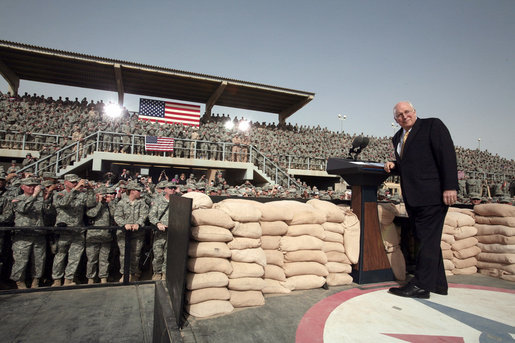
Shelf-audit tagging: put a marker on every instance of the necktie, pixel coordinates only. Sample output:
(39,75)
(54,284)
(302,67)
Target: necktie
(404,141)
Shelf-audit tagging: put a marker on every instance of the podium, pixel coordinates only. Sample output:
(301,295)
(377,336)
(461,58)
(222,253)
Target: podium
(364,177)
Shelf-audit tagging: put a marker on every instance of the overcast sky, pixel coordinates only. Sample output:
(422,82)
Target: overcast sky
(453,59)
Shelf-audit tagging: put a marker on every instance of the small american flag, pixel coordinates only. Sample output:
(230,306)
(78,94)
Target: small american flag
(153,143)
(169,112)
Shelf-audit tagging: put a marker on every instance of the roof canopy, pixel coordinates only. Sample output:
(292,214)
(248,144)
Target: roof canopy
(26,62)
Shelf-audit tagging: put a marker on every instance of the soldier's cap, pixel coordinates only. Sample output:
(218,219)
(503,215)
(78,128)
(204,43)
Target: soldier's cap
(475,196)
(29,154)
(2,176)
(191,186)
(171,185)
(111,190)
(101,190)
(13,161)
(162,184)
(47,183)
(132,185)
(30,181)
(505,200)
(72,178)
(49,175)
(201,186)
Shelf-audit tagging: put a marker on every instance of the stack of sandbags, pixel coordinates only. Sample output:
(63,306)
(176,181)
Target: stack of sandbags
(304,258)
(199,200)
(209,265)
(496,235)
(392,238)
(458,233)
(273,227)
(338,264)
(248,259)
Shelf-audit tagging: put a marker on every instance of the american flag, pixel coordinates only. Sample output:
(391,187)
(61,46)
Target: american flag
(153,143)
(169,112)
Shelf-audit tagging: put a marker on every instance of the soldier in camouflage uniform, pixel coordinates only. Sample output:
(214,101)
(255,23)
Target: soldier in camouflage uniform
(159,211)
(70,204)
(98,242)
(28,211)
(131,214)
(6,214)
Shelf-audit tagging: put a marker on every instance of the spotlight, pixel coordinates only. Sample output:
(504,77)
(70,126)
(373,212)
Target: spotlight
(244,125)
(113,110)
(229,125)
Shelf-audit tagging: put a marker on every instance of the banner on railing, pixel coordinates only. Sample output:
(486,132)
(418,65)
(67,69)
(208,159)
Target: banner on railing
(153,143)
(168,112)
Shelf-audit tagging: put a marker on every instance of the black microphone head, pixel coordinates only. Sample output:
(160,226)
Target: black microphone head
(357,142)
(364,142)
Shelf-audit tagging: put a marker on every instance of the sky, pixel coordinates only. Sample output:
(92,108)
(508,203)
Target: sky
(453,59)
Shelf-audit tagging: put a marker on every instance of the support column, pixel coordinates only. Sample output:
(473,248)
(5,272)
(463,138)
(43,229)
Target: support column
(10,76)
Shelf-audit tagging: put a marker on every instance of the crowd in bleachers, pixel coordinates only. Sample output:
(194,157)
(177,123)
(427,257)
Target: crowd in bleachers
(290,146)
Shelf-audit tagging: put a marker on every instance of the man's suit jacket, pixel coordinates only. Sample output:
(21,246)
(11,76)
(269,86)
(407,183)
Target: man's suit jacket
(428,165)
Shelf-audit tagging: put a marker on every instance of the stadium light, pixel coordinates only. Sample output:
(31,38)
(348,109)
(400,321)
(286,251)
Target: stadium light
(113,110)
(229,125)
(244,125)
(342,119)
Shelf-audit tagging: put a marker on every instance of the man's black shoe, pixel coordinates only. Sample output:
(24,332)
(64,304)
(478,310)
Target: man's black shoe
(410,291)
(441,291)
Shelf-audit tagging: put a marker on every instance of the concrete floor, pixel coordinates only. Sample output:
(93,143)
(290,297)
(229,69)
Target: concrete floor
(125,314)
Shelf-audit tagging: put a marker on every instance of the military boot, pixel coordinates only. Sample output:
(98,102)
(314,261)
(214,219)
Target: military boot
(21,285)
(157,276)
(35,283)
(91,281)
(57,283)
(68,282)
(103,280)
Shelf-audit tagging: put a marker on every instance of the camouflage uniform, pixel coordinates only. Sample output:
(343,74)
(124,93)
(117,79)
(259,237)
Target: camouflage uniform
(6,216)
(159,214)
(28,211)
(70,212)
(127,212)
(98,242)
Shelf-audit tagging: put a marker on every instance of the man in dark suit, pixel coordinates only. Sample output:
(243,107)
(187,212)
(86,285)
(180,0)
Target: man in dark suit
(426,163)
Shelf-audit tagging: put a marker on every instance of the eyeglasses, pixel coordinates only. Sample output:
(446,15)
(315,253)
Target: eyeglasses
(397,115)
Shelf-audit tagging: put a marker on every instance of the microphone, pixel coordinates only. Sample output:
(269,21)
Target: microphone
(358,144)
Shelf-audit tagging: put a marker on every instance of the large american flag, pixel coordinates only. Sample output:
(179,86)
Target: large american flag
(153,143)
(169,112)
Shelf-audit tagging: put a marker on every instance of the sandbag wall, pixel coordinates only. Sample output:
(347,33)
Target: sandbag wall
(495,225)
(459,244)
(242,249)
(391,236)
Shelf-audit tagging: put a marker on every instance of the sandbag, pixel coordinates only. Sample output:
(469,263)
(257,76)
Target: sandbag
(496,257)
(447,254)
(246,284)
(275,228)
(209,264)
(315,230)
(497,248)
(467,252)
(300,282)
(306,256)
(270,242)
(211,216)
(351,239)
(274,272)
(335,256)
(465,271)
(506,221)
(334,227)
(337,267)
(209,233)
(249,255)
(483,229)
(464,232)
(387,212)
(448,265)
(240,211)
(445,246)
(270,212)
(209,249)
(304,242)
(206,280)
(338,279)
(330,210)
(274,257)
(302,213)
(391,234)
(200,200)
(304,268)
(333,246)
(246,298)
(448,238)
(495,210)
(275,287)
(239,243)
(333,237)
(398,264)
(248,229)
(205,294)
(465,263)
(243,269)
(499,239)
(457,219)
(209,308)
(464,243)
